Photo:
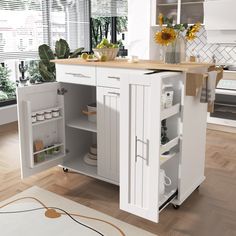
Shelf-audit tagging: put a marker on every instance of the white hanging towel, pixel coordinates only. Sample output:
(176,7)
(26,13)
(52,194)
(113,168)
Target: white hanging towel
(208,88)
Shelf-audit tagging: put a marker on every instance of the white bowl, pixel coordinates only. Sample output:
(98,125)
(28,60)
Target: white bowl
(110,53)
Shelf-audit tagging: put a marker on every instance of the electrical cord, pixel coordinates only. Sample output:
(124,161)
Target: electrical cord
(55,208)
(64,213)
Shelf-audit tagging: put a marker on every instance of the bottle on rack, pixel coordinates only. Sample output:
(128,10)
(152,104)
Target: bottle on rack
(164,138)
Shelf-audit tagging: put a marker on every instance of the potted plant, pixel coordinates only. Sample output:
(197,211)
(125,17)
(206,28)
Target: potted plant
(7,88)
(47,68)
(173,38)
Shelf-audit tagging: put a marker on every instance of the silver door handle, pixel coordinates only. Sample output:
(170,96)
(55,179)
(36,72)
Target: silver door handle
(78,75)
(114,93)
(113,77)
(147,150)
(135,152)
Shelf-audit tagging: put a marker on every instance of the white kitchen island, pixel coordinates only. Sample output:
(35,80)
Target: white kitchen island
(127,132)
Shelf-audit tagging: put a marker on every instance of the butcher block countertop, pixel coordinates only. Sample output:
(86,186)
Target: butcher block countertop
(142,64)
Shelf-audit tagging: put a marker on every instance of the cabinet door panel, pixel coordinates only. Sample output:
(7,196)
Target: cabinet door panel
(140,141)
(35,99)
(108,102)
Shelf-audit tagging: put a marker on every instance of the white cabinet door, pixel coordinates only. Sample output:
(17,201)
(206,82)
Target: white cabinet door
(33,100)
(108,128)
(140,144)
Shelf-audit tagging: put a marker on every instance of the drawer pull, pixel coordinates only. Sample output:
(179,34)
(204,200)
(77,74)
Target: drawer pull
(114,93)
(78,75)
(113,77)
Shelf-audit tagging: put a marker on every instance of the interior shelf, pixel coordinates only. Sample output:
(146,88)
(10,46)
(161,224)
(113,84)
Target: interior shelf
(166,147)
(168,112)
(49,158)
(83,124)
(165,199)
(46,109)
(78,165)
(46,121)
(167,4)
(165,158)
(49,148)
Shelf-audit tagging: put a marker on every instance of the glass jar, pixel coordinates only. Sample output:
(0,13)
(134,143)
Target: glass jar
(176,51)
(33,117)
(40,116)
(56,112)
(48,114)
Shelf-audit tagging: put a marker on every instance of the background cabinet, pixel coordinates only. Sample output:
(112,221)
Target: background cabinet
(108,129)
(182,11)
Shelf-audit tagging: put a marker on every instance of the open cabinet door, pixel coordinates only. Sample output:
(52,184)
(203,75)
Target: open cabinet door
(42,143)
(139,145)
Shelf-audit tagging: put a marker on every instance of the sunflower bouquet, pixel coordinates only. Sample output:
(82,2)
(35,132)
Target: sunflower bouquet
(169,34)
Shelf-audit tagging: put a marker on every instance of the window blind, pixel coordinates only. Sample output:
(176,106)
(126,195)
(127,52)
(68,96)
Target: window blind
(109,8)
(24,25)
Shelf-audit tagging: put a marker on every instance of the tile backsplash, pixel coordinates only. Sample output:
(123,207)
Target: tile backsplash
(224,54)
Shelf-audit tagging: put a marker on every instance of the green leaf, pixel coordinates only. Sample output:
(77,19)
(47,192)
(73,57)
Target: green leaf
(47,76)
(62,49)
(45,53)
(76,52)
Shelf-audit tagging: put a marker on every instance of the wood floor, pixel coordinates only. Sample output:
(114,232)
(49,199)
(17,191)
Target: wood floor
(210,211)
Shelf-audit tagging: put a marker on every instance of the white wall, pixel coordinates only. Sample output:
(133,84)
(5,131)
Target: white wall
(140,33)
(8,114)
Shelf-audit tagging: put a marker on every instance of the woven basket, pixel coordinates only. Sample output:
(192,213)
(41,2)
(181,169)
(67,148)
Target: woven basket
(110,53)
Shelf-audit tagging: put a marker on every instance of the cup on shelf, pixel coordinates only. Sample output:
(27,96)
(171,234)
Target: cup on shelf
(33,117)
(93,149)
(40,116)
(55,112)
(48,114)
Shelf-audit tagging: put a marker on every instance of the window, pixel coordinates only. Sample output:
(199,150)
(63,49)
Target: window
(26,24)
(41,21)
(109,20)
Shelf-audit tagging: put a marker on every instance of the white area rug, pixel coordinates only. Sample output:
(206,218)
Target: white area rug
(37,224)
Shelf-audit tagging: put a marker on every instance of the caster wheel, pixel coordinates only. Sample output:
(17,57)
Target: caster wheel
(65,170)
(176,207)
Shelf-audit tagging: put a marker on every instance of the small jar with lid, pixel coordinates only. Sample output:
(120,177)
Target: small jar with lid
(40,116)
(33,117)
(48,114)
(55,112)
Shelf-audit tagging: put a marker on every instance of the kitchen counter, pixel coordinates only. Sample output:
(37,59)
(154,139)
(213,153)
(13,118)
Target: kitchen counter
(142,64)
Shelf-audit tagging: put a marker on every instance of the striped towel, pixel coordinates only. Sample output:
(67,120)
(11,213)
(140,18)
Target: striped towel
(208,88)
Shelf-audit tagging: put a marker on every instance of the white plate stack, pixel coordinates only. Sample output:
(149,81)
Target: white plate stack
(91,157)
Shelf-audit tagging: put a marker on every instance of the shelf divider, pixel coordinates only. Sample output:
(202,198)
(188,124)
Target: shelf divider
(168,112)
(82,123)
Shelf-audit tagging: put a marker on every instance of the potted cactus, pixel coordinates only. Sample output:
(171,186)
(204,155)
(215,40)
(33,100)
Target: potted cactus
(47,68)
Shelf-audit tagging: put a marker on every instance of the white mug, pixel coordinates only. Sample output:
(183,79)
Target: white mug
(163,181)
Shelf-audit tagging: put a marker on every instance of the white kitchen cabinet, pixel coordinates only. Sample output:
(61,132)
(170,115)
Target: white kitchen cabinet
(31,100)
(182,11)
(127,133)
(140,143)
(108,129)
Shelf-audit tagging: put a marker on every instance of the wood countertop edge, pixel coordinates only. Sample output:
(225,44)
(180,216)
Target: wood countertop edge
(142,64)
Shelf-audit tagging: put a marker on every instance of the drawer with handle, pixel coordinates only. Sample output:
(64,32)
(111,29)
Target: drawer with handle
(109,77)
(76,74)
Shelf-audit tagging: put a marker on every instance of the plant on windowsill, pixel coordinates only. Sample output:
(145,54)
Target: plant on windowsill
(47,68)
(173,38)
(7,87)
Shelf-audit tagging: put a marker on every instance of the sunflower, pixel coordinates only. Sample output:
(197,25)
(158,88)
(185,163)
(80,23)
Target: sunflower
(165,36)
(192,31)
(160,19)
